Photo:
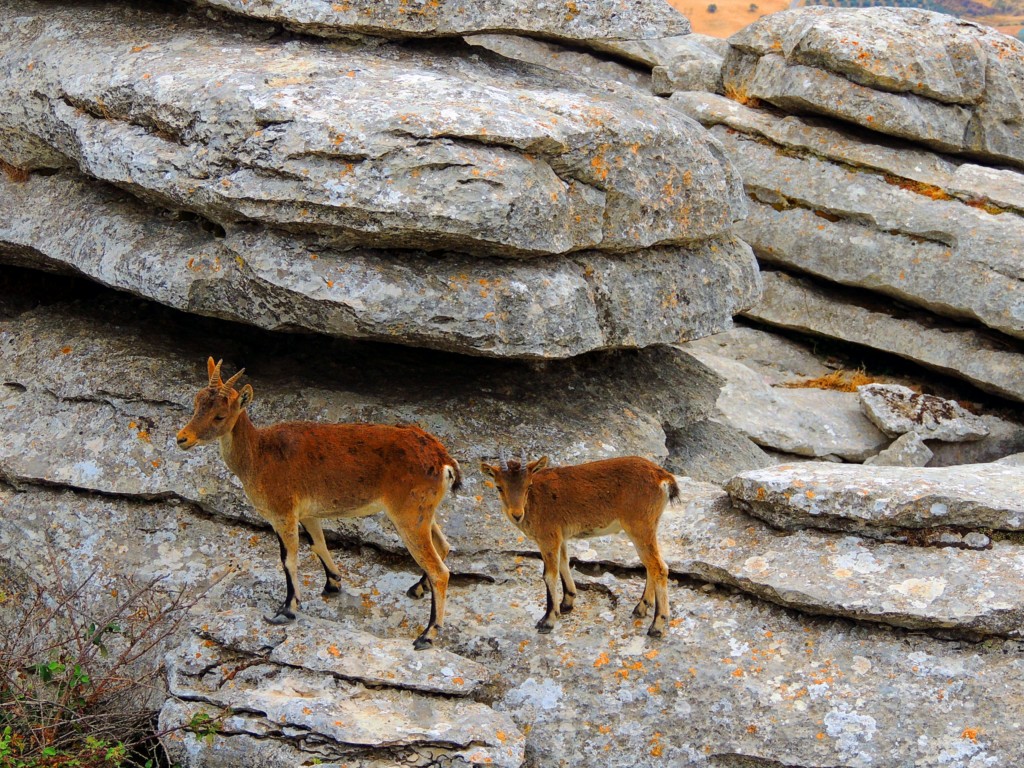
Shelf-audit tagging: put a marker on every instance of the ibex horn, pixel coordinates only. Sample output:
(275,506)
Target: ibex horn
(502,460)
(227,385)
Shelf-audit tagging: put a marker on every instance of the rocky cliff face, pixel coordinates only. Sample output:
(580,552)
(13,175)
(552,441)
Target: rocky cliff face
(480,220)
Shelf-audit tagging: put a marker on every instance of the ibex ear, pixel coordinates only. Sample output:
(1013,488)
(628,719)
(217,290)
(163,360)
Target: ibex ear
(540,463)
(245,395)
(487,469)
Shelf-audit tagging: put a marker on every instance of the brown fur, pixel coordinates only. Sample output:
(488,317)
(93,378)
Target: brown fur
(553,505)
(301,472)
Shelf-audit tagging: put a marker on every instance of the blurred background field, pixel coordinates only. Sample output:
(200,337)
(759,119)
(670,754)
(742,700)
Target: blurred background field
(723,17)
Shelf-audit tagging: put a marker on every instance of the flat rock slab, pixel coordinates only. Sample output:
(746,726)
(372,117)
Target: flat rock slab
(542,308)
(989,361)
(466,153)
(914,74)
(422,18)
(736,676)
(338,717)
(95,393)
(806,422)
(866,499)
(897,410)
(322,646)
(946,588)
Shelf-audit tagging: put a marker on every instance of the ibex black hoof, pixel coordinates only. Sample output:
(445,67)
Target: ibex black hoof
(566,608)
(655,632)
(544,626)
(421,643)
(641,609)
(330,589)
(281,617)
(416,591)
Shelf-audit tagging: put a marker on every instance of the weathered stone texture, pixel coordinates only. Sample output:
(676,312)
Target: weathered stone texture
(853,498)
(989,362)
(897,410)
(919,75)
(576,21)
(907,450)
(465,153)
(806,422)
(544,308)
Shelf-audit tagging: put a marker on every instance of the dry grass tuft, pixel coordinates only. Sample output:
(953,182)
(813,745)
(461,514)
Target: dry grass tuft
(839,381)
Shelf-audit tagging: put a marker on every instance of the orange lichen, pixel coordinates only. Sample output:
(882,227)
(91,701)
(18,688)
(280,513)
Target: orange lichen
(602,660)
(918,187)
(741,96)
(13,172)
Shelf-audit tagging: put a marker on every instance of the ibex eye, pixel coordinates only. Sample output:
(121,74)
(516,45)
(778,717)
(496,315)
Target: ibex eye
(218,418)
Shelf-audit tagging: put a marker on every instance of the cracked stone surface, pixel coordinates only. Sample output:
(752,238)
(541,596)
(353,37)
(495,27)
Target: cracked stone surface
(806,422)
(897,410)
(293,706)
(880,227)
(990,362)
(467,153)
(736,676)
(543,308)
(95,390)
(952,85)
(571,21)
(867,499)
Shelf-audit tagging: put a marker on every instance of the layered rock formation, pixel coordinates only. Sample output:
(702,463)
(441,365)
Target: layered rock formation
(880,150)
(227,162)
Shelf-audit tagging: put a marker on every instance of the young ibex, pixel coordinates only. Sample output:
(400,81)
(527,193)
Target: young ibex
(552,505)
(301,472)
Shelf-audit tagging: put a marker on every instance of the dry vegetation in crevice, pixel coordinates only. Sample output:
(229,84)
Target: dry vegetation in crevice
(80,677)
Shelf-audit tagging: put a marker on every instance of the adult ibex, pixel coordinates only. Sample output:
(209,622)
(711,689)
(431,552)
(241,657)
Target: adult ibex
(554,504)
(301,472)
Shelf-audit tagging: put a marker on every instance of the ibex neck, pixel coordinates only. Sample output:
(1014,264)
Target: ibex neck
(238,447)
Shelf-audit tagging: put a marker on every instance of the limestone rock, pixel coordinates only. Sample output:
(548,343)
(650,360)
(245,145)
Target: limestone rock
(919,75)
(859,499)
(807,422)
(907,450)
(291,691)
(775,358)
(421,18)
(897,410)
(96,391)
(698,67)
(988,361)
(465,153)
(1005,437)
(815,571)
(477,305)
(655,52)
(751,659)
(594,68)
(713,452)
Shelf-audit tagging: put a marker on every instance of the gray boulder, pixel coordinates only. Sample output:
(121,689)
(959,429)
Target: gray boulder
(421,18)
(897,410)
(918,75)
(907,450)
(866,500)
(542,308)
(465,153)
(806,422)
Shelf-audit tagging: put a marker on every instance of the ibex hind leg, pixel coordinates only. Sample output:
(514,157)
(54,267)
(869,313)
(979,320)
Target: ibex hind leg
(331,572)
(288,538)
(656,587)
(419,540)
(422,587)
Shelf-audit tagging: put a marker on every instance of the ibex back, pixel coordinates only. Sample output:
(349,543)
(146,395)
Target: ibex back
(301,472)
(554,504)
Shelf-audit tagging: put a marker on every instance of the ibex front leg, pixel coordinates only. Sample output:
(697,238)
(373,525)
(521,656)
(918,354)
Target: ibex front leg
(550,552)
(288,537)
